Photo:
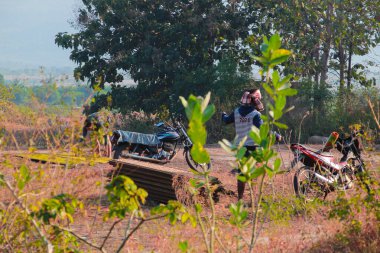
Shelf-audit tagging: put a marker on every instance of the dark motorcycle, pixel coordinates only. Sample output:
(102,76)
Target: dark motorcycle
(160,147)
(321,174)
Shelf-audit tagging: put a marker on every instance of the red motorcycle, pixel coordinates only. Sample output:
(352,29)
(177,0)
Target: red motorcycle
(321,174)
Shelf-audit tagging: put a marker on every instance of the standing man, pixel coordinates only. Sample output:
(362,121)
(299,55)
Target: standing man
(99,124)
(246,115)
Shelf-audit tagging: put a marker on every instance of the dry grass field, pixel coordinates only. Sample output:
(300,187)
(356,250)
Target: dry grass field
(297,231)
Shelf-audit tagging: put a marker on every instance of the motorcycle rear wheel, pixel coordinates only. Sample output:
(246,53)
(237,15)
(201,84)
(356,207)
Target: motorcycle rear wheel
(194,165)
(306,184)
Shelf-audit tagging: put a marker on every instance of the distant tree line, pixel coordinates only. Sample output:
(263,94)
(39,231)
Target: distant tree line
(49,94)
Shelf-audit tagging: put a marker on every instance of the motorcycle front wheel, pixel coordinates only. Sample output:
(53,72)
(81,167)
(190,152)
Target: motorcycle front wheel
(194,165)
(117,150)
(363,176)
(306,185)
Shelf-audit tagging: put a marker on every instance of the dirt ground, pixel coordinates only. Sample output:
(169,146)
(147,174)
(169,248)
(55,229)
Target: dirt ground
(299,233)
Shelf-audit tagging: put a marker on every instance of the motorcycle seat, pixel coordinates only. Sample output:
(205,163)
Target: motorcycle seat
(137,138)
(317,151)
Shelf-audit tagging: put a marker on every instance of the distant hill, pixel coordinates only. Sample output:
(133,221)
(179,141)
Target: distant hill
(28,75)
(35,75)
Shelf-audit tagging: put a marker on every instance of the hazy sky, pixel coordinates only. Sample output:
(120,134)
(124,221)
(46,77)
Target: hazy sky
(28,29)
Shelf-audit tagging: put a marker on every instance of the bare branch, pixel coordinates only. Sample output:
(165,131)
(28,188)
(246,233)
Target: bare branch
(136,228)
(373,112)
(83,239)
(256,213)
(129,235)
(109,233)
(36,226)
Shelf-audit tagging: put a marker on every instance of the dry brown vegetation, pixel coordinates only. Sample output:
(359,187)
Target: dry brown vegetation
(289,227)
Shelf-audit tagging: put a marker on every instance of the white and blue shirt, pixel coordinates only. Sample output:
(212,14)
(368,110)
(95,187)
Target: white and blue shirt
(244,118)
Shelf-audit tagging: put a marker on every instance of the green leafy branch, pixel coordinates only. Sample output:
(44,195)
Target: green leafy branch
(53,216)
(198,112)
(22,178)
(258,164)
(62,206)
(126,199)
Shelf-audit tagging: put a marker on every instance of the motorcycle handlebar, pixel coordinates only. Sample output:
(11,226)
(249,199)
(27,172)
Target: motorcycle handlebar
(176,119)
(351,143)
(356,133)
(352,136)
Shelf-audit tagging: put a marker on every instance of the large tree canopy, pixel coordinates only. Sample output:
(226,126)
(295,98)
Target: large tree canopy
(324,35)
(157,42)
(173,48)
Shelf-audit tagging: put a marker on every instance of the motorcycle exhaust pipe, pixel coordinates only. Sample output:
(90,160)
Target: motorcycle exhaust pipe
(324,179)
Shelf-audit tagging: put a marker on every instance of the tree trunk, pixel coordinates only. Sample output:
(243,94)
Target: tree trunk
(317,70)
(349,66)
(326,45)
(342,64)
